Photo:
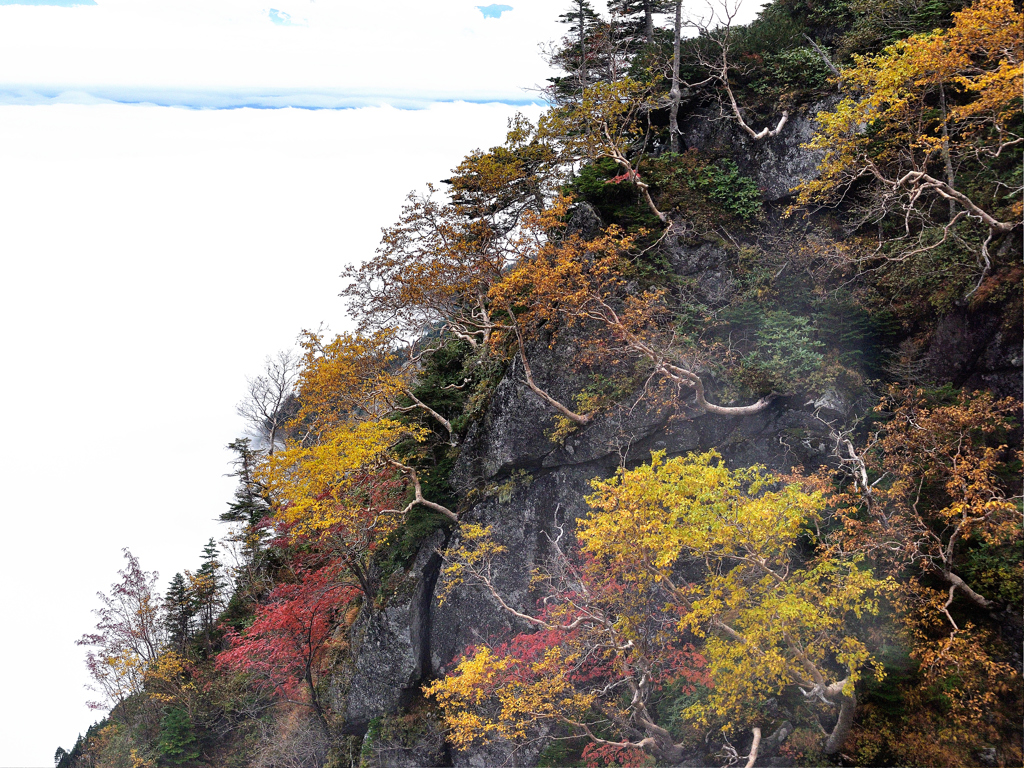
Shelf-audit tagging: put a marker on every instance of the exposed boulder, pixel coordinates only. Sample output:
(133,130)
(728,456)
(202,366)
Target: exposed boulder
(978,350)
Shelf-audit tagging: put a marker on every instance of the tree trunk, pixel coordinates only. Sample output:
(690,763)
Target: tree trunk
(584,75)
(368,590)
(320,716)
(664,751)
(847,705)
(675,94)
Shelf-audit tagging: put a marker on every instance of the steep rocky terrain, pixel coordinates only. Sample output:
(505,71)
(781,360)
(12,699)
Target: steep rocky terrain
(797,381)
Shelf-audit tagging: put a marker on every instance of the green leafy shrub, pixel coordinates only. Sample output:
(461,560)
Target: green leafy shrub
(373,730)
(703,188)
(723,183)
(784,354)
(796,69)
(617,203)
(785,347)
(403,543)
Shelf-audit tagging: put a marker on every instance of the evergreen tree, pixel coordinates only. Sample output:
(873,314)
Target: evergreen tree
(178,743)
(578,56)
(636,20)
(208,585)
(250,508)
(249,505)
(180,610)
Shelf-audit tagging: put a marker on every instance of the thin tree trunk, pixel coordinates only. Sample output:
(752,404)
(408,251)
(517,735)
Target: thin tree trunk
(675,94)
(824,56)
(945,150)
(584,75)
(363,582)
(581,420)
(314,699)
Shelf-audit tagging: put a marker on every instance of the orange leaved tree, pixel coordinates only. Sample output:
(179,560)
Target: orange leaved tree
(565,282)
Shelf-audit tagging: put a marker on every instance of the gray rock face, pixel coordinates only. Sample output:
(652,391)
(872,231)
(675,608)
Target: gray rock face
(585,222)
(390,646)
(544,483)
(499,753)
(778,164)
(532,490)
(525,525)
(832,405)
(706,263)
(543,503)
(978,350)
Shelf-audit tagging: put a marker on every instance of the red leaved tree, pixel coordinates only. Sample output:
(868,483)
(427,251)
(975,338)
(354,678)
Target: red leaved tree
(285,646)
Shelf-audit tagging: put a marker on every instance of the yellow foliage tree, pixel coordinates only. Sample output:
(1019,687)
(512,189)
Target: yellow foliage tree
(356,376)
(337,480)
(925,107)
(768,622)
(598,657)
(340,490)
(170,681)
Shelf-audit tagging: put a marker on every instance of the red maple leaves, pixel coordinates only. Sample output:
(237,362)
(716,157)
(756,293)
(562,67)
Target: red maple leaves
(285,646)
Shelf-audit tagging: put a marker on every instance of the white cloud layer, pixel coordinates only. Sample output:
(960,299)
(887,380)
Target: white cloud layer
(152,258)
(339,51)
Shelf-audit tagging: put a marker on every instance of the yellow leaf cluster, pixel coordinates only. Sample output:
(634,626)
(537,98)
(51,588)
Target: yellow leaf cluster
(768,622)
(346,378)
(312,484)
(169,681)
(487,695)
(888,128)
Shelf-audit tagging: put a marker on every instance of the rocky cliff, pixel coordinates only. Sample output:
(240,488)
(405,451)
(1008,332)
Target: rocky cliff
(530,489)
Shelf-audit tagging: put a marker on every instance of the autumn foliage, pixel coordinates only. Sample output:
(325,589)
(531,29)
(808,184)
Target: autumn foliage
(932,117)
(285,647)
(623,619)
(597,642)
(940,517)
(623,298)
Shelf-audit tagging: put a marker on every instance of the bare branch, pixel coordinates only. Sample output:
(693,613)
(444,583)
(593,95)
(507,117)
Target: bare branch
(418,491)
(823,54)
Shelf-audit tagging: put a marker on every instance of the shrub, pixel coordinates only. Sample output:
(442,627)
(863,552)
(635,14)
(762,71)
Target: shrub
(724,184)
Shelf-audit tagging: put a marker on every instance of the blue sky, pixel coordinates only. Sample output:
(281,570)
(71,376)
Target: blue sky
(281,18)
(493,11)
